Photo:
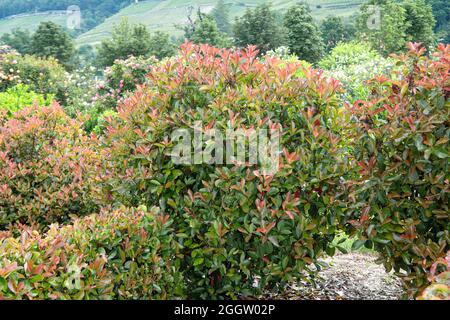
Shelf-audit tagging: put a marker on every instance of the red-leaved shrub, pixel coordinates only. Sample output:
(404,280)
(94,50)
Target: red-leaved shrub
(47,168)
(402,142)
(121,254)
(239,229)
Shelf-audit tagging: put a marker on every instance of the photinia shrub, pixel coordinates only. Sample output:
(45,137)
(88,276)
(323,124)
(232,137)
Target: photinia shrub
(440,287)
(120,254)
(239,228)
(401,199)
(47,168)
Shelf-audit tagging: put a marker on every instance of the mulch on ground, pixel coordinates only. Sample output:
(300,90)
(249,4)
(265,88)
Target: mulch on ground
(353,276)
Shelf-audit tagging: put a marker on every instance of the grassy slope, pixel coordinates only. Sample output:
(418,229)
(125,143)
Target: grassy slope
(165,14)
(30,22)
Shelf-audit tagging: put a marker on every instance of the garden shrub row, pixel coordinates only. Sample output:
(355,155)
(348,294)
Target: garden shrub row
(377,169)
(120,254)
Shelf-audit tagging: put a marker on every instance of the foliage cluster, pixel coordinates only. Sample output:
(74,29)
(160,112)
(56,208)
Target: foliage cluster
(353,64)
(20,96)
(119,254)
(47,168)
(401,143)
(235,225)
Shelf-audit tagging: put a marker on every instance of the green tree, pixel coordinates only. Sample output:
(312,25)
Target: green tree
(383,24)
(259,27)
(441,12)
(421,22)
(206,31)
(127,40)
(86,55)
(303,35)
(160,45)
(335,30)
(50,40)
(18,39)
(221,14)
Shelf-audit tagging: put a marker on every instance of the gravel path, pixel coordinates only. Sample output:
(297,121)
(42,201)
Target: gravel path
(353,276)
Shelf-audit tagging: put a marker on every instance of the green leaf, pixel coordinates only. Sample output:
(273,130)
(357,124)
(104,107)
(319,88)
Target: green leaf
(358,244)
(274,240)
(342,249)
(3,284)
(198,261)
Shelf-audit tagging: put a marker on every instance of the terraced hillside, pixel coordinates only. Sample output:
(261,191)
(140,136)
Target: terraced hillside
(166,14)
(31,21)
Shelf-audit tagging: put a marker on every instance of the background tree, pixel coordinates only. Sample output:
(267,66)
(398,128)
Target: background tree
(335,30)
(259,26)
(221,14)
(50,40)
(388,35)
(18,39)
(441,12)
(86,55)
(205,30)
(160,45)
(127,40)
(303,35)
(421,22)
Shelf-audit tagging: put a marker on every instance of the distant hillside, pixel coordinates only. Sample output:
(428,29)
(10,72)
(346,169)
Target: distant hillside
(30,21)
(165,14)
(95,11)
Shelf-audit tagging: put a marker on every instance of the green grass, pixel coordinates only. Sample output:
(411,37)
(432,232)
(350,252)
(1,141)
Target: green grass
(30,22)
(165,14)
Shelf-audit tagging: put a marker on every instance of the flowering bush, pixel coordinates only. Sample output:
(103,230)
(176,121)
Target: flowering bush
(238,228)
(353,64)
(74,91)
(121,80)
(401,200)
(80,90)
(47,168)
(123,254)
(20,96)
(43,76)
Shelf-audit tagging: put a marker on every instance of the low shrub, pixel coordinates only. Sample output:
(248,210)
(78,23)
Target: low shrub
(43,76)
(239,228)
(401,200)
(285,56)
(47,168)
(440,287)
(80,88)
(20,96)
(353,64)
(123,254)
(121,80)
